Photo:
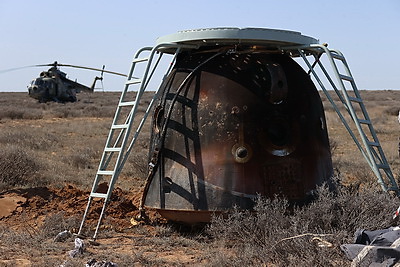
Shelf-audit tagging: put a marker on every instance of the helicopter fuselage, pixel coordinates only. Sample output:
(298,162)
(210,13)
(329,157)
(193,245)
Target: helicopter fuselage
(42,89)
(53,85)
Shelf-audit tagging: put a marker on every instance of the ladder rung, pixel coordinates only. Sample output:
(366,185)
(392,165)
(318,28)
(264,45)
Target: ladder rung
(337,56)
(355,99)
(112,149)
(119,126)
(133,81)
(100,195)
(393,189)
(105,172)
(364,121)
(136,60)
(382,166)
(124,104)
(345,77)
(373,144)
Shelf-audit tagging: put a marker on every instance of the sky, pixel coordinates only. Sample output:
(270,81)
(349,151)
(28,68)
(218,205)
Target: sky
(102,32)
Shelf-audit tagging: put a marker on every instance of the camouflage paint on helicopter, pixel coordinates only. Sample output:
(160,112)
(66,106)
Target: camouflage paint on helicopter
(53,85)
(232,125)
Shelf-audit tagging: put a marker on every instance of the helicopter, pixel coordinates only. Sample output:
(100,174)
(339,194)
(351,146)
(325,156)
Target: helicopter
(53,84)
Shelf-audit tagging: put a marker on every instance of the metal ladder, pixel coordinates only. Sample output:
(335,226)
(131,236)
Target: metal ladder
(116,150)
(343,87)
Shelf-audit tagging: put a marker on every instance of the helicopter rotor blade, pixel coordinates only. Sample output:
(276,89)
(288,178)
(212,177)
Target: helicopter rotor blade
(89,68)
(18,68)
(55,64)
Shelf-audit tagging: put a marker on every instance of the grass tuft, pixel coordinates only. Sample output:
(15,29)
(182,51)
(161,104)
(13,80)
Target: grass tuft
(17,166)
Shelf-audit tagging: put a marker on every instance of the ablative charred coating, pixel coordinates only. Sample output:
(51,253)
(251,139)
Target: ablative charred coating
(240,125)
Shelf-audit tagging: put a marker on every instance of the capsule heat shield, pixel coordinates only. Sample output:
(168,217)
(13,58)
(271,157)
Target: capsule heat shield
(231,126)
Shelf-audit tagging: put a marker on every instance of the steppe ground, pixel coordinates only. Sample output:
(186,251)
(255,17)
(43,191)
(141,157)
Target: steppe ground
(49,153)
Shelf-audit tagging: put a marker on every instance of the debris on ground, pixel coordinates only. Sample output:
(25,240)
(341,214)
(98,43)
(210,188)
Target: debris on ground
(94,263)
(377,248)
(62,236)
(79,248)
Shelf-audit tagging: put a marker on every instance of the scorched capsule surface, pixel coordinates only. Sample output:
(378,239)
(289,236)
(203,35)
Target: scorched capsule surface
(230,125)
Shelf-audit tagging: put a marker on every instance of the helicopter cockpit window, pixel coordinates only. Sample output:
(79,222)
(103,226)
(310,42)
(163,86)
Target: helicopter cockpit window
(42,83)
(38,82)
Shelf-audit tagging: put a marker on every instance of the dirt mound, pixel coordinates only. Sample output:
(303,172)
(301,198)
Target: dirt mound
(31,218)
(41,201)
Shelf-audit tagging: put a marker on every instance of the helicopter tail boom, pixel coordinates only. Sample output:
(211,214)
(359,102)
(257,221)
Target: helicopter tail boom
(94,83)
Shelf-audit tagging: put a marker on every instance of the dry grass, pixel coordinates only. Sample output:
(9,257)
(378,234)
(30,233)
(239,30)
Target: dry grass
(16,106)
(18,167)
(65,140)
(50,144)
(288,236)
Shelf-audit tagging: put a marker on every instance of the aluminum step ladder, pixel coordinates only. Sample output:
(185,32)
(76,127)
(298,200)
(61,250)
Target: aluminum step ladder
(119,141)
(344,86)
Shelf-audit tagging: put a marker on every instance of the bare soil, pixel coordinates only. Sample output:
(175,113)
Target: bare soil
(25,210)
